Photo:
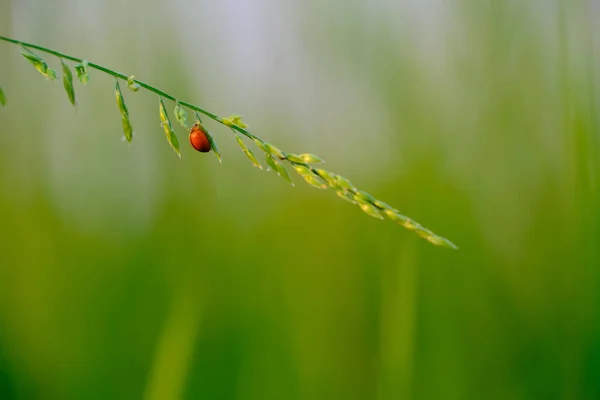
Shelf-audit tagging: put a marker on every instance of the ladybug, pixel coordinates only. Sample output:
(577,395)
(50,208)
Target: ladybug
(198,138)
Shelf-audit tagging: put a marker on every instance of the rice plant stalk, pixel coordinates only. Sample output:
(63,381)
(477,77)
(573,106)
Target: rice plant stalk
(302,164)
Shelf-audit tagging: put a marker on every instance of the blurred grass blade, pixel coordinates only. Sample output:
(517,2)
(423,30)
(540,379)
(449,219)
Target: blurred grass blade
(2,97)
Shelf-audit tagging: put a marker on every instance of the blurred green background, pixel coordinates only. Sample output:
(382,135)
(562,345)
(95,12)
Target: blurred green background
(127,273)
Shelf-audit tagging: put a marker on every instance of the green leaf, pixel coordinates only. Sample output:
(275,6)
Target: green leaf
(68,81)
(213,144)
(247,152)
(364,197)
(166,124)
(271,162)
(349,197)
(2,97)
(395,216)
(295,158)
(164,117)
(283,172)
(81,70)
(442,242)
(127,128)
(42,68)
(172,139)
(327,176)
(34,59)
(234,120)
(344,183)
(274,151)
(371,210)
(51,74)
(310,177)
(39,64)
(180,115)
(119,98)
(384,206)
(132,84)
(261,145)
(276,166)
(311,158)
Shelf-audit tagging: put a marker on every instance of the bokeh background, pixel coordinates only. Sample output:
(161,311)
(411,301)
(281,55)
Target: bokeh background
(127,273)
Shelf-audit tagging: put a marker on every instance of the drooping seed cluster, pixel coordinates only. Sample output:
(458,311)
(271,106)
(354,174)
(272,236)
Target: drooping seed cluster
(202,140)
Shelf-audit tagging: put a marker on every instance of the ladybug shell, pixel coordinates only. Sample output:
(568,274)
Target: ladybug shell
(198,139)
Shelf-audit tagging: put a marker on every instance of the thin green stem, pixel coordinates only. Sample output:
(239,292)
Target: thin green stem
(125,77)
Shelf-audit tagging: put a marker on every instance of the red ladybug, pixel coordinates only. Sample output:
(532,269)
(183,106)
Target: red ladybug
(198,139)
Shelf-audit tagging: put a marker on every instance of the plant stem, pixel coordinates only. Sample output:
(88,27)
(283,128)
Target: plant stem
(124,77)
(368,203)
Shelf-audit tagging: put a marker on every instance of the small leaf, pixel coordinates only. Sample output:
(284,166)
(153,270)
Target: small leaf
(271,162)
(310,177)
(283,172)
(234,120)
(213,144)
(395,216)
(42,68)
(433,238)
(68,81)
(410,224)
(127,128)
(166,124)
(180,115)
(164,117)
(365,202)
(132,84)
(119,98)
(39,64)
(442,242)
(172,139)
(248,152)
(295,158)
(302,170)
(278,168)
(2,97)
(51,74)
(81,70)
(344,183)
(364,197)
(261,145)
(274,151)
(371,210)
(346,196)
(327,176)
(384,206)
(311,158)
(34,59)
